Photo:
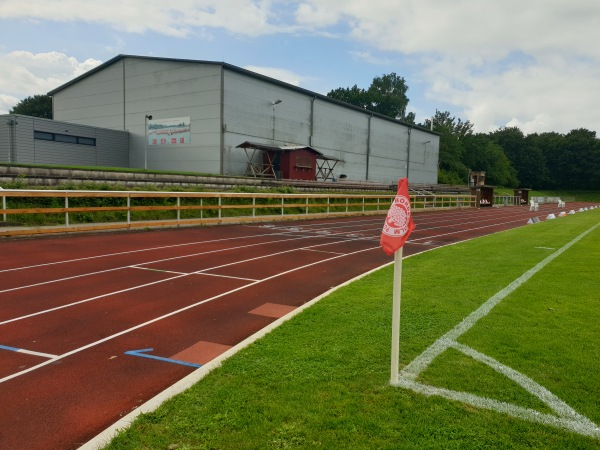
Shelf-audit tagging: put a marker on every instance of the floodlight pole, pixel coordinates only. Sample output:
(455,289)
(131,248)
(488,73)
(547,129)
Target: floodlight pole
(146,119)
(273,103)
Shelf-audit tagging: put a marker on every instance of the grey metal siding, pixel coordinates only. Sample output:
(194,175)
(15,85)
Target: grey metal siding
(250,115)
(166,89)
(4,140)
(96,100)
(342,133)
(388,151)
(111,149)
(227,106)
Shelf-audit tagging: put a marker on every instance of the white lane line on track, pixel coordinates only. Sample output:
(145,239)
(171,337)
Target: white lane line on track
(322,251)
(418,230)
(79,302)
(172,313)
(421,225)
(27,352)
(159,260)
(136,251)
(252,280)
(157,270)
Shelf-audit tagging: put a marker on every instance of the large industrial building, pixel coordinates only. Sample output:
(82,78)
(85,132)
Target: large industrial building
(215,118)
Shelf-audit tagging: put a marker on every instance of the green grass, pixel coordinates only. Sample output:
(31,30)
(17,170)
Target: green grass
(322,379)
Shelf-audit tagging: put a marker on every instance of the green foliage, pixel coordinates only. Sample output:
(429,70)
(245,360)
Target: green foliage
(386,95)
(37,106)
(483,154)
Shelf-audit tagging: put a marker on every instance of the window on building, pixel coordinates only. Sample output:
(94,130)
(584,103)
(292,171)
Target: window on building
(65,138)
(43,135)
(57,137)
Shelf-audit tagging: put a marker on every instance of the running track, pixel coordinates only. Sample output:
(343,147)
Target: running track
(75,311)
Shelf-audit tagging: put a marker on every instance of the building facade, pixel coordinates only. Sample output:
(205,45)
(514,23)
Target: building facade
(206,109)
(33,140)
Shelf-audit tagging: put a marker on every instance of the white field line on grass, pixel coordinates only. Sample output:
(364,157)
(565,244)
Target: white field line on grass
(566,417)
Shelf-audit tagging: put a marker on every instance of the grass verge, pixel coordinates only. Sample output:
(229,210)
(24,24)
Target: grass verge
(322,379)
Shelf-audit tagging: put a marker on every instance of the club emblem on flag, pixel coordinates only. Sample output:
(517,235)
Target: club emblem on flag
(398,223)
(397,220)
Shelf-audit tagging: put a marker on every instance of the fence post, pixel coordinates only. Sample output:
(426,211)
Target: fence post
(128,208)
(4,207)
(253,205)
(219,207)
(282,205)
(178,208)
(67,210)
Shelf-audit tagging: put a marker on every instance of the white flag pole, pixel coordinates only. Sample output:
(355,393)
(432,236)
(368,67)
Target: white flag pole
(396,314)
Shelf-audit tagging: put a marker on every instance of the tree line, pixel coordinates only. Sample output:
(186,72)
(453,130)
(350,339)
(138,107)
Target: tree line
(508,156)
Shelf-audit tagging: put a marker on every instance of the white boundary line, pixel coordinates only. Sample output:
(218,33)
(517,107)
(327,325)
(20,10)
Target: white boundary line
(566,417)
(103,438)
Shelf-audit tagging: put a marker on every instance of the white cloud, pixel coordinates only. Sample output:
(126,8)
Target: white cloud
(287,76)
(501,63)
(24,74)
(177,18)
(495,63)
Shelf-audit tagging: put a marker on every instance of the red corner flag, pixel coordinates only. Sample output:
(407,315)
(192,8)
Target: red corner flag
(398,223)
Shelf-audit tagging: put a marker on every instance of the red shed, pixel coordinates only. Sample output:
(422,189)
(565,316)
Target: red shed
(290,162)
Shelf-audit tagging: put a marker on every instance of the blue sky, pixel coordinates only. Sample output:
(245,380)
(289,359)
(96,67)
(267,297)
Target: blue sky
(532,64)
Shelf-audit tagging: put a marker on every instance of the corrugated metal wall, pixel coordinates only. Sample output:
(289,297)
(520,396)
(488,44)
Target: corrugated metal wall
(369,147)
(111,149)
(228,106)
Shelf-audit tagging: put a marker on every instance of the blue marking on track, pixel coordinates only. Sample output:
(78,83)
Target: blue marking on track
(12,349)
(143,353)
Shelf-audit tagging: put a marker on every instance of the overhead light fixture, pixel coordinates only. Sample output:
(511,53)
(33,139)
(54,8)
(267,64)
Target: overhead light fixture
(146,118)
(276,102)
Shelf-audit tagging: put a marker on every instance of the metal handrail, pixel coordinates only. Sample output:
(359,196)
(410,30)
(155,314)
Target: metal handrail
(88,210)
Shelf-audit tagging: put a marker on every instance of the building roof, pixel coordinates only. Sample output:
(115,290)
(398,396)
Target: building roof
(242,71)
(286,148)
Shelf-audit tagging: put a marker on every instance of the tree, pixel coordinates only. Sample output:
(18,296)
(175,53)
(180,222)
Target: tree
(483,154)
(583,150)
(354,95)
(551,146)
(37,106)
(452,169)
(525,156)
(386,95)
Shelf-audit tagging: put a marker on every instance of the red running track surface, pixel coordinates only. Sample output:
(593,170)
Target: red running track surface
(71,307)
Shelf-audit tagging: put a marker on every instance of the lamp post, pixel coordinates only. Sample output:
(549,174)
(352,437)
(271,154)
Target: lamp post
(146,119)
(275,102)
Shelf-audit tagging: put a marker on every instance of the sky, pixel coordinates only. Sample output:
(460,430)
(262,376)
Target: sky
(533,64)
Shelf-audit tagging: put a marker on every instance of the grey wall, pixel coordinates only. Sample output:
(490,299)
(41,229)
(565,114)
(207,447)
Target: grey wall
(228,106)
(132,88)
(369,147)
(111,149)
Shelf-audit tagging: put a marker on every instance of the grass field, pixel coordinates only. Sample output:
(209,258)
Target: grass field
(321,380)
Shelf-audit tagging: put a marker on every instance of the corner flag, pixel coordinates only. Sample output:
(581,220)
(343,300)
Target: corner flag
(398,223)
(396,229)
